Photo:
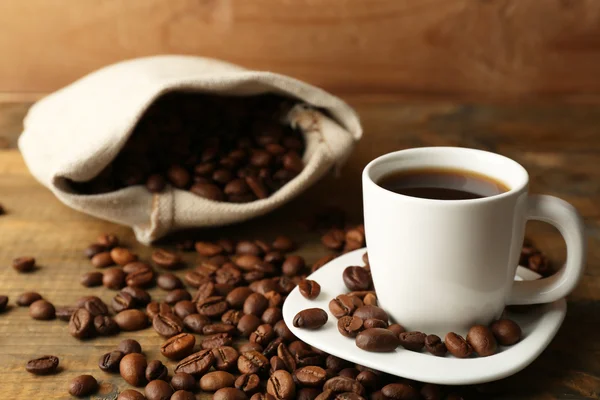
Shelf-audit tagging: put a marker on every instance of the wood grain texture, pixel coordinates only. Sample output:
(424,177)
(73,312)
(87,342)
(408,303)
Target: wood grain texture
(558,144)
(486,49)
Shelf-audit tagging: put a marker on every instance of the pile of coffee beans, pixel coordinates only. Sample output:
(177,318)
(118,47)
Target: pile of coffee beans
(234,149)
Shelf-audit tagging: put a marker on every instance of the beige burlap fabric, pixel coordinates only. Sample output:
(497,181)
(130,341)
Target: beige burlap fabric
(75,132)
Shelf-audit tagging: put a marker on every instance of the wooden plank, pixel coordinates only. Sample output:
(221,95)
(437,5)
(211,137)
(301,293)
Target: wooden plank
(486,49)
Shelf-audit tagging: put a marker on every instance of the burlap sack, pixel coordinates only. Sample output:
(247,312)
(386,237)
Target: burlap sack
(77,131)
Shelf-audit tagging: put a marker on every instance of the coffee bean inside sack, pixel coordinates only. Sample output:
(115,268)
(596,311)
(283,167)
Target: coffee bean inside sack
(233,149)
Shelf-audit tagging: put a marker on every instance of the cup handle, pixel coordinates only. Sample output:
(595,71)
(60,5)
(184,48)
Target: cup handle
(570,224)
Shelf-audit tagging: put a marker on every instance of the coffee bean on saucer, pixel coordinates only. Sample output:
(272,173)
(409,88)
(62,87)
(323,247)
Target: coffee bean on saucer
(482,340)
(368,312)
(309,289)
(506,331)
(377,339)
(435,346)
(396,328)
(413,341)
(344,305)
(83,385)
(27,298)
(375,323)
(350,326)
(158,390)
(43,365)
(370,299)
(24,264)
(311,318)
(457,345)
(357,278)
(42,310)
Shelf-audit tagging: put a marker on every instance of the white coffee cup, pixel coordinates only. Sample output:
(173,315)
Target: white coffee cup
(442,266)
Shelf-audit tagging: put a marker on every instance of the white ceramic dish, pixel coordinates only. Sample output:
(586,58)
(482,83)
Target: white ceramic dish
(539,327)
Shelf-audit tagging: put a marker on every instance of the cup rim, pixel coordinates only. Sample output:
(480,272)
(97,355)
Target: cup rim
(522,185)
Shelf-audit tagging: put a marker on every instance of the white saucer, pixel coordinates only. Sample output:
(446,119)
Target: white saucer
(539,327)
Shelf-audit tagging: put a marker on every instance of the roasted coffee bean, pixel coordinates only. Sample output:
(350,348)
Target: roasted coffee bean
(307,393)
(40,310)
(334,239)
(133,369)
(285,284)
(208,249)
(83,385)
(81,324)
(107,240)
(282,330)
(212,307)
(336,364)
(248,247)
(27,298)
(229,394)
(340,384)
(177,295)
(196,364)
(91,279)
(368,379)
(131,394)
(248,324)
(350,326)
(247,383)
(311,376)
(357,278)
(153,309)
(284,244)
(457,345)
(482,340)
(296,346)
(109,362)
(64,313)
(228,274)
(196,322)
(275,299)
(142,276)
(351,373)
(216,340)
(262,335)
(215,380)
(43,365)
(308,357)
(430,391)
(370,299)
(156,370)
(274,257)
(309,289)
(212,329)
(265,286)
(371,312)
(114,279)
(413,341)
(183,395)
(158,390)
(184,308)
(287,358)
(250,347)
(232,317)
(281,385)
(293,265)
(95,306)
(24,264)
(539,263)
(122,301)
(248,262)
(311,318)
(167,325)
(236,187)
(128,346)
(183,381)
(396,328)
(178,176)
(257,187)
(344,305)
(131,320)
(208,191)
(252,362)
(166,259)
(136,266)
(225,357)
(377,339)
(102,260)
(155,183)
(205,290)
(105,325)
(169,282)
(435,346)
(178,347)
(255,304)
(271,349)
(506,331)
(93,249)
(400,391)
(122,256)
(272,315)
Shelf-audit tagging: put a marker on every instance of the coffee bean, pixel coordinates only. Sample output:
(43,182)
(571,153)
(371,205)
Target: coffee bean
(107,240)
(169,282)
(457,345)
(351,373)
(102,260)
(284,244)
(255,304)
(312,376)
(262,335)
(506,331)
(216,340)
(334,239)
(344,305)
(350,326)
(482,340)
(141,297)
(177,295)
(311,318)
(275,299)
(375,323)
(216,380)
(232,317)
(272,315)
(288,359)
(24,264)
(196,364)
(212,329)
(83,385)
(156,370)
(136,266)
(178,347)
(357,278)
(293,265)
(368,379)
(155,183)
(539,263)
(396,328)
(307,394)
(153,308)
(248,324)
(183,381)
(368,312)
(340,384)
(281,385)
(178,176)
(248,262)
(122,301)
(309,289)
(370,299)
(184,308)
(196,322)
(43,365)
(133,369)
(158,390)
(225,357)
(109,362)
(128,346)
(214,306)
(413,341)
(336,364)
(247,383)
(81,324)
(122,256)
(400,391)
(95,306)
(377,340)
(131,394)
(183,395)
(105,325)
(208,191)
(141,276)
(166,259)
(252,362)
(229,394)
(91,279)
(167,325)
(93,249)
(114,279)
(41,310)
(430,391)
(27,298)
(64,313)
(131,320)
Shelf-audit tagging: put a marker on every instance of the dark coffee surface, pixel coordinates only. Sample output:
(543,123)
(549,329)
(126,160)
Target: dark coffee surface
(442,184)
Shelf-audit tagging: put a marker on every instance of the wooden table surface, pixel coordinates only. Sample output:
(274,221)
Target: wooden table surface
(558,143)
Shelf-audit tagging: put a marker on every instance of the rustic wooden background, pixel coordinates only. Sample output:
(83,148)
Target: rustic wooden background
(500,49)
